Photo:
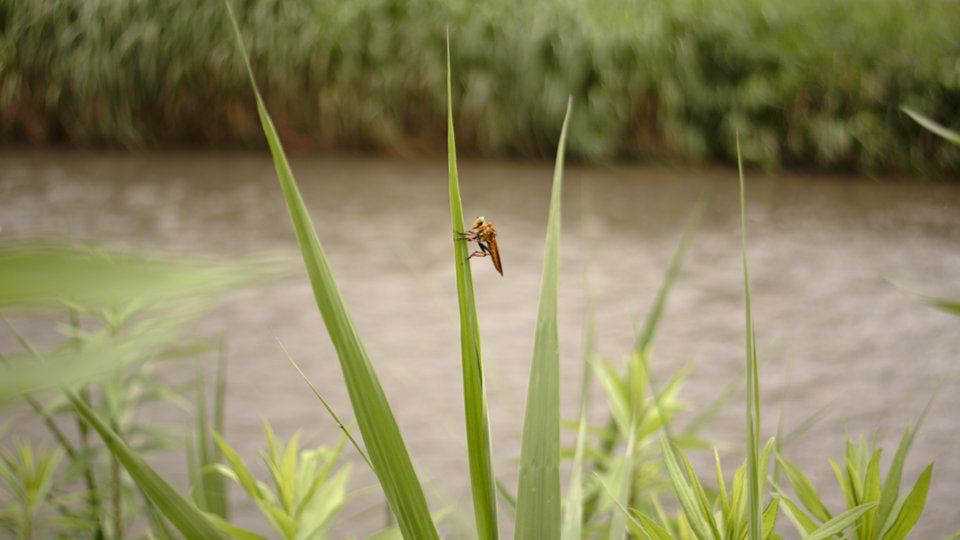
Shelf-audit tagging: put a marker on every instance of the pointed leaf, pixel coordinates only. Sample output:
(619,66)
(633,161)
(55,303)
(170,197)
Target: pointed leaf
(538,493)
(186,517)
(804,489)
(912,507)
(479,445)
(379,429)
(840,522)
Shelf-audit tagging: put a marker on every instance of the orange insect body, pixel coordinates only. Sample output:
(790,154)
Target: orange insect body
(485,235)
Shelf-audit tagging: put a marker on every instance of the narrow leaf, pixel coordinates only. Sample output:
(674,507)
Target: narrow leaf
(538,493)
(912,507)
(839,523)
(800,519)
(379,429)
(754,510)
(804,489)
(479,446)
(186,517)
(686,495)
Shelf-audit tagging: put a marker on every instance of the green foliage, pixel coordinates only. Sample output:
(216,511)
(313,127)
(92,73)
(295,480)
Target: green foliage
(379,429)
(186,517)
(28,479)
(719,515)
(305,493)
(873,504)
(126,314)
(672,78)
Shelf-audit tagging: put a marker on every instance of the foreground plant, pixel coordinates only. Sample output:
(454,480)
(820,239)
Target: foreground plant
(889,515)
(305,495)
(124,314)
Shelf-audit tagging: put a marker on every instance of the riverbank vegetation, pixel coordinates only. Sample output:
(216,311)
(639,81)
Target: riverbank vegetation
(624,476)
(806,84)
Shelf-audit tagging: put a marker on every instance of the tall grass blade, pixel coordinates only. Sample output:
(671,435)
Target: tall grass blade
(377,425)
(186,517)
(538,493)
(754,503)
(474,394)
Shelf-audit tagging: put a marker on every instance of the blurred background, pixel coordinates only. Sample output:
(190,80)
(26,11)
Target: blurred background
(130,133)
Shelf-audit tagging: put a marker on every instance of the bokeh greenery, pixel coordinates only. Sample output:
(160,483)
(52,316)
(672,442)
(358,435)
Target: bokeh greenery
(815,84)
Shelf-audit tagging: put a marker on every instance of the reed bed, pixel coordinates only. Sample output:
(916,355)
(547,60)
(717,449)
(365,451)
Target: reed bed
(807,84)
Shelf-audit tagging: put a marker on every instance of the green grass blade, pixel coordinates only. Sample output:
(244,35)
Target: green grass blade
(645,338)
(912,507)
(624,483)
(573,506)
(238,469)
(754,502)
(804,489)
(637,529)
(839,523)
(686,494)
(867,528)
(186,517)
(702,499)
(932,126)
(770,518)
(721,486)
(538,494)
(378,427)
(891,487)
(326,406)
(801,521)
(479,445)
(943,304)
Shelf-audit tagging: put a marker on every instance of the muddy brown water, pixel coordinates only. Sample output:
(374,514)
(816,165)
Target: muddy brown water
(833,333)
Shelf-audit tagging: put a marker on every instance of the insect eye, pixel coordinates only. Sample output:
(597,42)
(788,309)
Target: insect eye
(481,219)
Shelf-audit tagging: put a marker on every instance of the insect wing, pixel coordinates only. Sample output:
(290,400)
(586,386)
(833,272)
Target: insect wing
(495,253)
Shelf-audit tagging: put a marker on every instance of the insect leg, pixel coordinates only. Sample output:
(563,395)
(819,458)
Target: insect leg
(477,254)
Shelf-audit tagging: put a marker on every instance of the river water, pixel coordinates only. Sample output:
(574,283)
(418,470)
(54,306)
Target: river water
(833,334)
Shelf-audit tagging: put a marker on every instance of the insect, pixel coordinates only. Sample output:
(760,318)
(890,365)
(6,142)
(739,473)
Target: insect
(485,235)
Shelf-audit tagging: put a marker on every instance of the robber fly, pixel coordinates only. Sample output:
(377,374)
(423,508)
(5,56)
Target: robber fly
(485,235)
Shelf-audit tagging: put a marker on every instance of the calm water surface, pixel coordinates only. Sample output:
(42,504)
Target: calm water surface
(833,334)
